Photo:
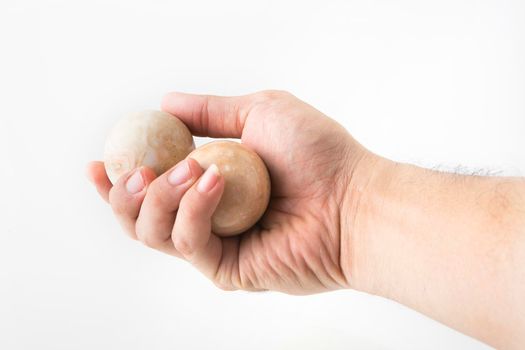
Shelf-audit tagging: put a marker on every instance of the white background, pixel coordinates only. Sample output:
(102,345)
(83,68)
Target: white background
(438,83)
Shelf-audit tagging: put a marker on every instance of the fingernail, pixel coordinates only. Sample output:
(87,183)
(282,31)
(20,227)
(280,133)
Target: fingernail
(180,174)
(209,179)
(135,183)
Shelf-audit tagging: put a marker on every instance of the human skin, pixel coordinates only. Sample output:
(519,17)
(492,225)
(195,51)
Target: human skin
(449,246)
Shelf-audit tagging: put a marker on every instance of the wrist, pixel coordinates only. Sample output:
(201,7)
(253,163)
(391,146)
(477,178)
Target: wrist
(368,182)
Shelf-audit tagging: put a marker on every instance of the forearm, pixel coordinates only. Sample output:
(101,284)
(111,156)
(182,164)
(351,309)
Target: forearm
(449,246)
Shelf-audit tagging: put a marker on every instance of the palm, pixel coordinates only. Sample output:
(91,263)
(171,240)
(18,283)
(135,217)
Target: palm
(295,247)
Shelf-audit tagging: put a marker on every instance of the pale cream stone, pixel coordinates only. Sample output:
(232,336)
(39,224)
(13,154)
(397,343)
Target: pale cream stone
(247,185)
(151,138)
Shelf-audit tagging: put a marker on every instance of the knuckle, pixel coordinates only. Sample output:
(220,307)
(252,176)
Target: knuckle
(156,201)
(150,240)
(118,209)
(163,198)
(184,245)
(117,202)
(189,209)
(145,236)
(149,234)
(191,214)
(156,195)
(272,95)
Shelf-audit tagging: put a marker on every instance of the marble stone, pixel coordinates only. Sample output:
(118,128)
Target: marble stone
(247,185)
(151,138)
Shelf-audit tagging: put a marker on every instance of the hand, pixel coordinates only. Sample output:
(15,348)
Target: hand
(296,247)
(449,246)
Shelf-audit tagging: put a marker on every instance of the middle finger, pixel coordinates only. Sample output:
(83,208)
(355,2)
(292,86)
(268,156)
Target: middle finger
(157,214)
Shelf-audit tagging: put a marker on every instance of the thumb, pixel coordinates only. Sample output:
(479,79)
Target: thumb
(206,115)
